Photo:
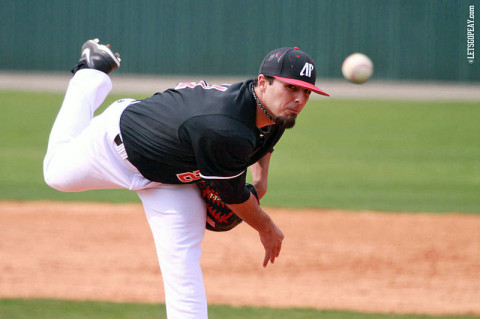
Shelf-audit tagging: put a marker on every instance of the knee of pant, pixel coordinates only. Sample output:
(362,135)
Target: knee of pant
(56,180)
(53,181)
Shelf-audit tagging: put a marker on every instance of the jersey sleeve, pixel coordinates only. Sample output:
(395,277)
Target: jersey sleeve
(222,146)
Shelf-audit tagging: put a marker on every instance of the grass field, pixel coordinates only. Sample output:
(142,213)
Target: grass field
(50,309)
(382,155)
(377,155)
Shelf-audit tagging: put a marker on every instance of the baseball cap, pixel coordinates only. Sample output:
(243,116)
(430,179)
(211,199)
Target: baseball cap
(292,66)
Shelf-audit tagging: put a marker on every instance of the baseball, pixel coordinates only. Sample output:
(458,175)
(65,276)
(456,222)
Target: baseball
(357,68)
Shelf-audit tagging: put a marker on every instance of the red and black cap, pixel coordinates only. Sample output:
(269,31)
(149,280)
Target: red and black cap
(292,66)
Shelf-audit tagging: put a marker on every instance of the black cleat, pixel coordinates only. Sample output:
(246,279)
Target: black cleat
(97,56)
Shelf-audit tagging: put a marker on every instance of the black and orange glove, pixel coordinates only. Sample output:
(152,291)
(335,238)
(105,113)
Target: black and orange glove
(219,216)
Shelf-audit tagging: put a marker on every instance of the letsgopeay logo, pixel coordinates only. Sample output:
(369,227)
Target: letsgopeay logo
(471,34)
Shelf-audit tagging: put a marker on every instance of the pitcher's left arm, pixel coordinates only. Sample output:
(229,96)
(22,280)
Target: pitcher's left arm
(259,172)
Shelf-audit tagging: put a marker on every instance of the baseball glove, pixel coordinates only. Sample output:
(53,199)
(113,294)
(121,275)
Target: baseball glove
(219,216)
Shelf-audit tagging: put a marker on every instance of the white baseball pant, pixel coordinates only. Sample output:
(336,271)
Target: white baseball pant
(82,155)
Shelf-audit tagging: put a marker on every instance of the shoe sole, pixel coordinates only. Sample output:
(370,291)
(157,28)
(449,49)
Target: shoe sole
(92,45)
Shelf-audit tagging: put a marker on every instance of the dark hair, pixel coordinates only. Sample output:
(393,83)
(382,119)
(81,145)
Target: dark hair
(269,79)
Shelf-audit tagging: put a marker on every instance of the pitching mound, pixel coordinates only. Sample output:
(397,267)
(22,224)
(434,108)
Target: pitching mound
(401,263)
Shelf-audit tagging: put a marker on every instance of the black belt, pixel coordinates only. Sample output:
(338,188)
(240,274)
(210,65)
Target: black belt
(118,140)
(120,147)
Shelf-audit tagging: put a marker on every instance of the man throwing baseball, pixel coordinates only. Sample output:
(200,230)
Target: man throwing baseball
(162,146)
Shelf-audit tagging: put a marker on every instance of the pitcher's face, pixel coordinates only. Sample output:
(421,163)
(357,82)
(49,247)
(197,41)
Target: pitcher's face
(285,101)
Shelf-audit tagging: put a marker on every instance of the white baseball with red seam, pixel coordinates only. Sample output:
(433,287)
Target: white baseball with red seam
(357,68)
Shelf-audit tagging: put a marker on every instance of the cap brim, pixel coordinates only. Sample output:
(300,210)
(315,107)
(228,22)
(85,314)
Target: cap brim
(302,84)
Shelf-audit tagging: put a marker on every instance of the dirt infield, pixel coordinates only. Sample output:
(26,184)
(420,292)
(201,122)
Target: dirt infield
(374,262)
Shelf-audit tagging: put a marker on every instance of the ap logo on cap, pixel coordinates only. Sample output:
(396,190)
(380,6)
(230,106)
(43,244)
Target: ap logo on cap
(307,70)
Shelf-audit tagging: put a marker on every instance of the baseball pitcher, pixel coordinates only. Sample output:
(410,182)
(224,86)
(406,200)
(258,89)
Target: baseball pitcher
(185,152)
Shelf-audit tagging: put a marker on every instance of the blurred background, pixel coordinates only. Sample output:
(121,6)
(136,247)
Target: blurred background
(407,140)
(406,39)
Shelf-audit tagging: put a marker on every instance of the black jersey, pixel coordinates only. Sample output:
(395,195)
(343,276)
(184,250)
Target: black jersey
(196,131)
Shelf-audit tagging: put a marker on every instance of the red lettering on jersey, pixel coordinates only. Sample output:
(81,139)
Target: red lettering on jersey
(203,84)
(188,177)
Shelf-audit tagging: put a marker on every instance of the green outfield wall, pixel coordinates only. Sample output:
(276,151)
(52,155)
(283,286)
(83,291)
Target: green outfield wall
(406,39)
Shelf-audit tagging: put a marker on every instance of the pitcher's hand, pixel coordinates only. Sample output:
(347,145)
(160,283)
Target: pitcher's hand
(272,242)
